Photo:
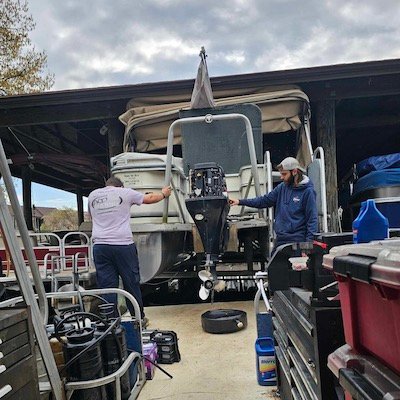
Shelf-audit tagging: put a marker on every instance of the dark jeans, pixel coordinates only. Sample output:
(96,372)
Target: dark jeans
(112,261)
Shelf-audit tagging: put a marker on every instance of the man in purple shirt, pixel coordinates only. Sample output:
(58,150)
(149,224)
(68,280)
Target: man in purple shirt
(114,251)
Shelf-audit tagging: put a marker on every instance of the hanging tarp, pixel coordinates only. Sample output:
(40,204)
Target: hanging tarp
(304,153)
(147,120)
(202,95)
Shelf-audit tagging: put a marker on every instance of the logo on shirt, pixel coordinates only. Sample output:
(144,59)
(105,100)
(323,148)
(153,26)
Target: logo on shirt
(106,202)
(296,199)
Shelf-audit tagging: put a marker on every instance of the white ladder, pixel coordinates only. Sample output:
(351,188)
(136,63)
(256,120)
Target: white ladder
(39,311)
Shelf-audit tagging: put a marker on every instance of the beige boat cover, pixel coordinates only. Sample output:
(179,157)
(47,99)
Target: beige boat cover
(148,119)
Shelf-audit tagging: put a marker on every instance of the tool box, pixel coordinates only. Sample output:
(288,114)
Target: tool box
(369,286)
(18,372)
(167,345)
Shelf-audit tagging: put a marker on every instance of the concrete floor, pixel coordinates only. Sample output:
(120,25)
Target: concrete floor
(213,367)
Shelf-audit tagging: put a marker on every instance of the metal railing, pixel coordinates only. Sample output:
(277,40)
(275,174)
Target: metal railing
(115,377)
(209,118)
(319,154)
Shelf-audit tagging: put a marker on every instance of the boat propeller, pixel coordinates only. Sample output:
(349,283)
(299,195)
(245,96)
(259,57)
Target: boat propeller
(209,284)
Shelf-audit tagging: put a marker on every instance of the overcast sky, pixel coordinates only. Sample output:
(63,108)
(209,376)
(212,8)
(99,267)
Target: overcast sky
(115,42)
(93,43)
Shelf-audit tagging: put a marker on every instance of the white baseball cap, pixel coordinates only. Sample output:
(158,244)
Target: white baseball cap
(290,163)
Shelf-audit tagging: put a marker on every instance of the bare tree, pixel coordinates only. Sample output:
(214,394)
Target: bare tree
(22,67)
(61,219)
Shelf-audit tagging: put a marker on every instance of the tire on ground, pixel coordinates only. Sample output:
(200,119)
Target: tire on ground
(223,321)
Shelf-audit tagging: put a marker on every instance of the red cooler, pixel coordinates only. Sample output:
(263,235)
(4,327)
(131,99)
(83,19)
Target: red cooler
(369,287)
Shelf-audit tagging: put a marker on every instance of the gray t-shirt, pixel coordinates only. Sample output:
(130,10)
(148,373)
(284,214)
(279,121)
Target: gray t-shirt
(110,210)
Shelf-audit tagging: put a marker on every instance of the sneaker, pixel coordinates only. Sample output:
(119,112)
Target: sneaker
(145,322)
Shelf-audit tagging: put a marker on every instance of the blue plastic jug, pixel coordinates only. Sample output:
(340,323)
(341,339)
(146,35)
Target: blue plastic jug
(265,361)
(134,343)
(370,224)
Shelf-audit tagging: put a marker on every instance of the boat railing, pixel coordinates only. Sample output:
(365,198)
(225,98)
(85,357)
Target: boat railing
(320,185)
(246,194)
(43,253)
(53,259)
(208,119)
(178,202)
(77,266)
(70,249)
(269,183)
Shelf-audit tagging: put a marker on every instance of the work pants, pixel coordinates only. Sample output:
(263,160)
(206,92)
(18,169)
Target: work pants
(114,261)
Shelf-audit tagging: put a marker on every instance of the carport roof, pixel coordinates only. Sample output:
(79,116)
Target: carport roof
(57,134)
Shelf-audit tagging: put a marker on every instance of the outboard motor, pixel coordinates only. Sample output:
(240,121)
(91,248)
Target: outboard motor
(209,207)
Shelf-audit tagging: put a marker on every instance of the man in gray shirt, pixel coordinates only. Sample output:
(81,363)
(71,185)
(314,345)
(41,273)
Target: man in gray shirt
(114,252)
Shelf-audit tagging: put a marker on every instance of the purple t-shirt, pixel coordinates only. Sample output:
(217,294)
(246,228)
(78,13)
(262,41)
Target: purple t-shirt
(110,210)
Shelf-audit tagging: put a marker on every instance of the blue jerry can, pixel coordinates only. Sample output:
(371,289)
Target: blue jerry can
(265,361)
(370,224)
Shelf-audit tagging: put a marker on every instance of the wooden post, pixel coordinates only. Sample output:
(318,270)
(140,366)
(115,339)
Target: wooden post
(115,137)
(79,201)
(27,197)
(326,137)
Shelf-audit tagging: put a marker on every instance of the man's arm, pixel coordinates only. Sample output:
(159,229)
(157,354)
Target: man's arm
(311,216)
(151,198)
(267,200)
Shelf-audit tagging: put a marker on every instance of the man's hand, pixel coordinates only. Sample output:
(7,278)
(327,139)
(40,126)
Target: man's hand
(234,202)
(151,198)
(166,191)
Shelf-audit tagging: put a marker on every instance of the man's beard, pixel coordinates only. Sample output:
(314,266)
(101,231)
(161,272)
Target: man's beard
(291,180)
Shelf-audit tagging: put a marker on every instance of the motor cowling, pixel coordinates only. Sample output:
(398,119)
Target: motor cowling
(209,207)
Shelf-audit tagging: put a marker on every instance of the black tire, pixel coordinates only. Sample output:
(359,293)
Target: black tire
(224,321)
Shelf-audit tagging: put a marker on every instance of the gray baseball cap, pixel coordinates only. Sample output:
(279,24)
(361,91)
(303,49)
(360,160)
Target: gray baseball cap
(290,163)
